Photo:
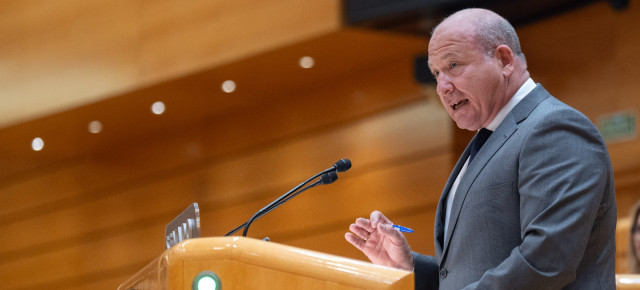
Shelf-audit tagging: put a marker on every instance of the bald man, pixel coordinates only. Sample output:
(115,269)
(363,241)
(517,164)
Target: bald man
(530,204)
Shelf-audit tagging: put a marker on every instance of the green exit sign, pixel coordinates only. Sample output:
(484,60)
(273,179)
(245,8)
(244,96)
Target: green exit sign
(619,126)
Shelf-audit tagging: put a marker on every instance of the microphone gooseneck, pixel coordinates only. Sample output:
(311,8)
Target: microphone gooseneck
(327,176)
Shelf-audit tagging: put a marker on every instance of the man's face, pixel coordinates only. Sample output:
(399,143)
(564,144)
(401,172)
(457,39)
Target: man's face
(471,84)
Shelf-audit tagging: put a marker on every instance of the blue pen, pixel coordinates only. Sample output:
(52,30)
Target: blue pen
(403,229)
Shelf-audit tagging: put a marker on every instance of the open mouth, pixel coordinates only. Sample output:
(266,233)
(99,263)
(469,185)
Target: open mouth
(460,104)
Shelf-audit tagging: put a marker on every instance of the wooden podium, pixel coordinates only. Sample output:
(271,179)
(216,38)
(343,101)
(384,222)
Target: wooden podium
(245,263)
(627,281)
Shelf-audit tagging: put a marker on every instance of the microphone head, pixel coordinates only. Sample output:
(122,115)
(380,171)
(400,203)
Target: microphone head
(328,177)
(342,165)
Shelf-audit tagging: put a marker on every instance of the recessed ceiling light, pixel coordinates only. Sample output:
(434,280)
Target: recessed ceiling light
(95,127)
(37,144)
(228,86)
(306,62)
(158,108)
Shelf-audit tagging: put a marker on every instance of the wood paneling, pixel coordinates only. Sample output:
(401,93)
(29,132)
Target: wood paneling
(386,149)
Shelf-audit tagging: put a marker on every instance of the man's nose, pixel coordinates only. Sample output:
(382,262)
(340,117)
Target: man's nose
(444,86)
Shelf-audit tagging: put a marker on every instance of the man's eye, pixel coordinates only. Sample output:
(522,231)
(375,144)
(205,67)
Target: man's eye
(453,65)
(435,73)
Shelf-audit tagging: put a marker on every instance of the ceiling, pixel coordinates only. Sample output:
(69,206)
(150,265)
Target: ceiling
(269,84)
(420,16)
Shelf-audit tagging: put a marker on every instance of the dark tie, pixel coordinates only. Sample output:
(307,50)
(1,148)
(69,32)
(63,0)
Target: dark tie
(481,137)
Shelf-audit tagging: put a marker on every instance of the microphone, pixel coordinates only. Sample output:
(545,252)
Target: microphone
(327,176)
(342,165)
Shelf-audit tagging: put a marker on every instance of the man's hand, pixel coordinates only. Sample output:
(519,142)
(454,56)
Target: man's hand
(381,242)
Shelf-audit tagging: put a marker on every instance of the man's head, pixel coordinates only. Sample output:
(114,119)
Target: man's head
(476,59)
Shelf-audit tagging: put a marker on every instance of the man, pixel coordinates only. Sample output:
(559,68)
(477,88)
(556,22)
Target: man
(535,208)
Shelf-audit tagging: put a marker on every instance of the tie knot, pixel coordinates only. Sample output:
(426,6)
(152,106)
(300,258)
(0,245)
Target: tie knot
(483,135)
(480,139)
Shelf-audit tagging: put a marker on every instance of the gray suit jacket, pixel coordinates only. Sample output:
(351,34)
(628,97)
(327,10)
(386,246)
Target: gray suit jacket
(535,209)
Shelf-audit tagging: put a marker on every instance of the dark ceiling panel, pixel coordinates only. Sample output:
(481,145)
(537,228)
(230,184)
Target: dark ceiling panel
(420,16)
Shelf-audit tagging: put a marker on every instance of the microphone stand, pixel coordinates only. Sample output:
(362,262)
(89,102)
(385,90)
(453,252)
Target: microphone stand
(328,176)
(286,197)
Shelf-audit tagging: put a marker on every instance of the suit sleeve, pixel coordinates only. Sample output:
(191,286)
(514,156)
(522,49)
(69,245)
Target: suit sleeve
(425,272)
(564,169)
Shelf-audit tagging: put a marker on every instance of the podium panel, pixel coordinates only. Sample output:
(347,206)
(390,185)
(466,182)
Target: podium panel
(246,263)
(627,281)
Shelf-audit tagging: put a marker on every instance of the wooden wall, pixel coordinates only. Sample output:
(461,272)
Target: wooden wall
(90,210)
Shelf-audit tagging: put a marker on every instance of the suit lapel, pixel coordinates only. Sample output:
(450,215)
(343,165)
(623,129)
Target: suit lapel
(497,139)
(504,131)
(442,204)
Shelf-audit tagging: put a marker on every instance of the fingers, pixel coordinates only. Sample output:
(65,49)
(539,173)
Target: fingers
(365,224)
(355,241)
(396,236)
(388,229)
(377,217)
(363,229)
(360,231)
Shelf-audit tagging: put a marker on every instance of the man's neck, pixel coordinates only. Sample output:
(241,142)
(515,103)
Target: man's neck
(527,86)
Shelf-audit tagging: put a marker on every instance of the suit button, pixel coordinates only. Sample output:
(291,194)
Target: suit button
(443,273)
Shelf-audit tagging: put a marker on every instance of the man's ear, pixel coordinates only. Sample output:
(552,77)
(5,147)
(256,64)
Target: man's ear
(507,59)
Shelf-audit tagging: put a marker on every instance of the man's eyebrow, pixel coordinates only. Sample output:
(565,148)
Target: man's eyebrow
(449,55)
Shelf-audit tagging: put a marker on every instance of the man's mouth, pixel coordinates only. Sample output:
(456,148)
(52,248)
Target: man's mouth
(460,104)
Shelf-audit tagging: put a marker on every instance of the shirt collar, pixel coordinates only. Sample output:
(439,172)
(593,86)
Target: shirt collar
(525,89)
